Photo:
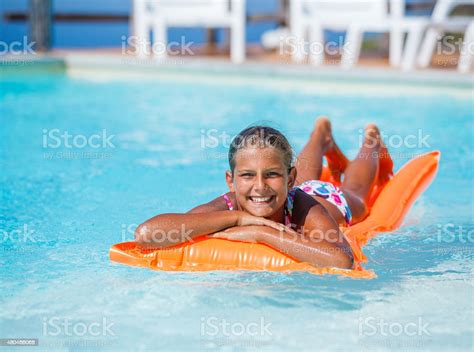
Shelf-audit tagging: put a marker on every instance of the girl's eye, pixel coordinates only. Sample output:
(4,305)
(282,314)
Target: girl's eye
(246,175)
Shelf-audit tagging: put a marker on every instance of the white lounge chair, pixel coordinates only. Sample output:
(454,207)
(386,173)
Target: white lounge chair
(158,15)
(442,22)
(466,59)
(356,17)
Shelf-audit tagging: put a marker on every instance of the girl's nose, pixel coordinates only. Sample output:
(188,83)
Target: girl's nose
(260,184)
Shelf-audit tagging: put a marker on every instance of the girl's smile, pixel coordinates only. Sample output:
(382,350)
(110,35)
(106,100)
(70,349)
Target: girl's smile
(261,200)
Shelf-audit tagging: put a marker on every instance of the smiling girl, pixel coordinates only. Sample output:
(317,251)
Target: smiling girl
(263,206)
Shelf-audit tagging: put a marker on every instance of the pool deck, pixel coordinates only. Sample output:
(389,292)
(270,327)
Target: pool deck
(259,63)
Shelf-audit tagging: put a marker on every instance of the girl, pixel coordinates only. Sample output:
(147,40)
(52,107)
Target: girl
(263,205)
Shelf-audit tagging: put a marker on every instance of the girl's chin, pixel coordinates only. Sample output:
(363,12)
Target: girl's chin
(261,211)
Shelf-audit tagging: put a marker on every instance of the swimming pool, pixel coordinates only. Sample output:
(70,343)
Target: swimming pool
(87,157)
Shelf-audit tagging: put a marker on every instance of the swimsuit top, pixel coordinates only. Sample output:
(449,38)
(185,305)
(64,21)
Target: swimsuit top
(288,205)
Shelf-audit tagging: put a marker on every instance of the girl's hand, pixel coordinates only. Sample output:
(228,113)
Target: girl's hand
(238,233)
(246,219)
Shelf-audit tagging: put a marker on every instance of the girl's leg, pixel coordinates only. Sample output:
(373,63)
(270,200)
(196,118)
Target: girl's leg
(372,164)
(309,163)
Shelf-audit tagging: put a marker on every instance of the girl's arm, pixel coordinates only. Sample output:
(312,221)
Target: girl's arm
(319,242)
(318,252)
(167,230)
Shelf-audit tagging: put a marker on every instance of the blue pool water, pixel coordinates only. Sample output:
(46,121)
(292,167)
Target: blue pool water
(62,208)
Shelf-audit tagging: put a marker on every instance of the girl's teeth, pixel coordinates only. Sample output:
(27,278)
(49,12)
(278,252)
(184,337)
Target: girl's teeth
(260,199)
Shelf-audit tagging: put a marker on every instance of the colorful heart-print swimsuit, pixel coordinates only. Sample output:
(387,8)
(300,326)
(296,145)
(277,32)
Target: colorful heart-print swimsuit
(330,193)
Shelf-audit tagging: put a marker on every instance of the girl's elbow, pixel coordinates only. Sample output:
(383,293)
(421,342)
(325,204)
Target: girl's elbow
(345,259)
(142,234)
(338,256)
(147,236)
(347,262)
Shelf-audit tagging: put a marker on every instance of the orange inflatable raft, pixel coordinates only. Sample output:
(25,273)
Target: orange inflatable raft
(386,214)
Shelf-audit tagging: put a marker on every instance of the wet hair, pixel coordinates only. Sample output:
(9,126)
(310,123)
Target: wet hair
(262,137)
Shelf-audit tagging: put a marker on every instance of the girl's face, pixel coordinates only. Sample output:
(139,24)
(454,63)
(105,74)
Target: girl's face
(261,181)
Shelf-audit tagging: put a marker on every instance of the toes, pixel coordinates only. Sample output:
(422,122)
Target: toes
(323,125)
(372,136)
(323,120)
(372,130)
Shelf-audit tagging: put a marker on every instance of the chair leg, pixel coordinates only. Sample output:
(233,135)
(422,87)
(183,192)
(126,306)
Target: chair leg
(397,14)
(467,56)
(429,43)
(297,31)
(160,38)
(352,46)
(414,38)
(316,45)
(237,44)
(395,47)
(237,32)
(141,28)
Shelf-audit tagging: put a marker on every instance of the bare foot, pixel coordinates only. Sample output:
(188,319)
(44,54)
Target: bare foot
(323,133)
(337,161)
(372,137)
